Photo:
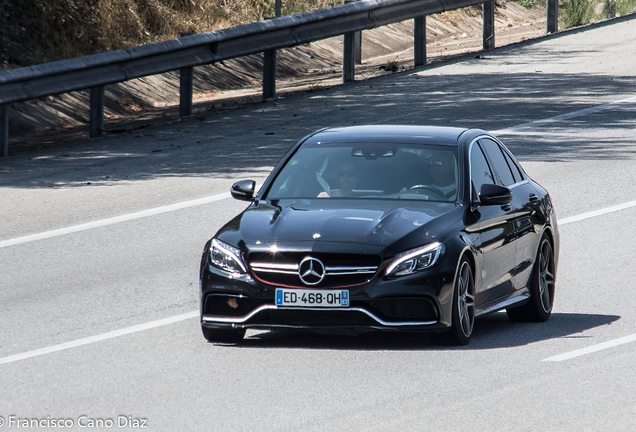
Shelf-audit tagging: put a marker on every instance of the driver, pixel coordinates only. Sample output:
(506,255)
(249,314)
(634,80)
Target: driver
(443,174)
(348,178)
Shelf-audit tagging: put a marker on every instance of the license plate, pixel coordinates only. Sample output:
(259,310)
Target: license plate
(311,298)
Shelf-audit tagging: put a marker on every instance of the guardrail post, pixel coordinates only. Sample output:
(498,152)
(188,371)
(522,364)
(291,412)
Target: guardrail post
(357,55)
(278,8)
(348,63)
(269,74)
(4,129)
(489,25)
(553,16)
(269,66)
(185,91)
(96,128)
(419,43)
(185,87)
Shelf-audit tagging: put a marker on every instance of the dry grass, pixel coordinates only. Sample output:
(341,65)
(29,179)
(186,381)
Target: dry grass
(37,31)
(125,23)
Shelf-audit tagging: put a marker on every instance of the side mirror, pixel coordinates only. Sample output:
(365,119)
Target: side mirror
(492,194)
(243,190)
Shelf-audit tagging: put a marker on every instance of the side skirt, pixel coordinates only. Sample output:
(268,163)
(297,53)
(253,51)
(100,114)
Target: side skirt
(517,299)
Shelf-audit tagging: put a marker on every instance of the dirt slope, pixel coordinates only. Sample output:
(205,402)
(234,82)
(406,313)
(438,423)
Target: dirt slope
(55,120)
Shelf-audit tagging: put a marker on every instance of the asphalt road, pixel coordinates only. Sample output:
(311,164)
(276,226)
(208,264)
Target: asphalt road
(97,321)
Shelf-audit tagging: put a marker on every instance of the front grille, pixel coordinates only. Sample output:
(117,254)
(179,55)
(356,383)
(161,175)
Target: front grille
(340,270)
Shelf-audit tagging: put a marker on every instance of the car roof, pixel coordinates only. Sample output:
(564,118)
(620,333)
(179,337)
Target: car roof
(389,134)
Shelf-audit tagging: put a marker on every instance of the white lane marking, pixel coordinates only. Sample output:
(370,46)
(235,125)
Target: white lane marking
(153,324)
(592,349)
(567,116)
(186,204)
(98,338)
(597,213)
(535,123)
(113,220)
(178,206)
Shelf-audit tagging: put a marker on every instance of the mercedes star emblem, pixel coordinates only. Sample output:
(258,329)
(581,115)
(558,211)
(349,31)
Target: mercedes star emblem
(311,271)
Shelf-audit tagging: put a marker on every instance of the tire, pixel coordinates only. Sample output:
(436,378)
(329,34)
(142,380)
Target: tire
(223,335)
(463,316)
(539,307)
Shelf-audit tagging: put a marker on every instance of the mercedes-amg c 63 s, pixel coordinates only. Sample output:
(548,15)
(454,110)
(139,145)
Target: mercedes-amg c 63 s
(392,228)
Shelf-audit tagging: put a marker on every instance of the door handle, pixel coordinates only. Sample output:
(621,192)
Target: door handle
(506,207)
(533,198)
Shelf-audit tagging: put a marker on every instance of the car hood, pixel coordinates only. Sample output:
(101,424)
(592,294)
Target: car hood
(373,222)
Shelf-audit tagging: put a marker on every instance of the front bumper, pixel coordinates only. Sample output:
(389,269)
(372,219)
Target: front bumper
(417,302)
(318,315)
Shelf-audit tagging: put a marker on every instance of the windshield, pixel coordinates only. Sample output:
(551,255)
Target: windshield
(389,171)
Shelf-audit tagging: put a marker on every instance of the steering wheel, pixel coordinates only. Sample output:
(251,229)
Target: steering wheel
(430,188)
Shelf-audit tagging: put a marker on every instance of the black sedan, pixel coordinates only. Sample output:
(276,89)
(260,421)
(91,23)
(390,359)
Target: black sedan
(392,228)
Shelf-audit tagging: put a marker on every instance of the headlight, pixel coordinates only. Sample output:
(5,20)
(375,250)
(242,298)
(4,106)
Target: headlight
(226,257)
(414,260)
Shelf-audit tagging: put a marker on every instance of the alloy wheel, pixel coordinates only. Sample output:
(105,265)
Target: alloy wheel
(466,299)
(546,276)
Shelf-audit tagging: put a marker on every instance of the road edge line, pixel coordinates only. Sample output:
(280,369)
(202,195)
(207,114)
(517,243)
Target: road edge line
(592,349)
(98,338)
(596,213)
(111,221)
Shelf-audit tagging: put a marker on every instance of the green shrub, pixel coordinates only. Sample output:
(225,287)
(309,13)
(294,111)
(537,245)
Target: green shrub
(528,4)
(609,9)
(392,66)
(623,7)
(579,12)
(576,12)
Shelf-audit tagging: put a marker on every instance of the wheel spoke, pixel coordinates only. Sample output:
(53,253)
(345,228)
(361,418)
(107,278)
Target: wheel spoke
(467,323)
(466,300)
(545,258)
(545,299)
(549,277)
(464,281)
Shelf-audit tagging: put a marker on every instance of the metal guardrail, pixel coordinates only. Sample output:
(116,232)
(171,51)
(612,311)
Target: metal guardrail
(96,71)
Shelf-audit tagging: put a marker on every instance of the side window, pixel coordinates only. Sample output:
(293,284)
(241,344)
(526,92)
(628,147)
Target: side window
(479,170)
(500,167)
(516,172)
